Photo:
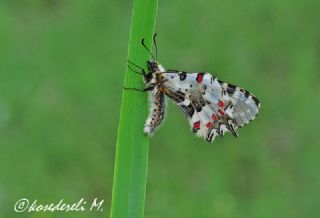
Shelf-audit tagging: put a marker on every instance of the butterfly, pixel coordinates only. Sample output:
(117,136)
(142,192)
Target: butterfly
(213,107)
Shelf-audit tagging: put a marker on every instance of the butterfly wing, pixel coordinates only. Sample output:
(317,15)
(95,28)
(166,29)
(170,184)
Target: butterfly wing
(212,106)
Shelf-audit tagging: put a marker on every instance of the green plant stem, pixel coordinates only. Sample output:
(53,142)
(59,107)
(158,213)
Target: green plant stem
(131,162)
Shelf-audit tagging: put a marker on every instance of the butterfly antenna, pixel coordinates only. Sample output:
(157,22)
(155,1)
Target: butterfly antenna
(155,44)
(142,42)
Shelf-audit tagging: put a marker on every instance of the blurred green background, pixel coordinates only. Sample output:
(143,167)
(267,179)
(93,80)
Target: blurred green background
(62,64)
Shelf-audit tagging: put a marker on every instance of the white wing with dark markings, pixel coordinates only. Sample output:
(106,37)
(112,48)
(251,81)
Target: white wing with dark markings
(212,106)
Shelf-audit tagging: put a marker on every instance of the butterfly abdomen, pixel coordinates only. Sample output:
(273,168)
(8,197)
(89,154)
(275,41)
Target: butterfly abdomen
(156,111)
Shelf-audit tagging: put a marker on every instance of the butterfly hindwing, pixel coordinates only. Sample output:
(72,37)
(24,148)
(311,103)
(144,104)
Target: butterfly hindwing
(244,106)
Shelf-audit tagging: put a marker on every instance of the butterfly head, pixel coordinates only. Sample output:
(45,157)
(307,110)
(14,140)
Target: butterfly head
(153,68)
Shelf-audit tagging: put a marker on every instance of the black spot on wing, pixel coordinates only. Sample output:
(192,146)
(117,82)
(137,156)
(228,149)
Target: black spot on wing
(180,96)
(202,102)
(210,135)
(189,110)
(212,76)
(231,89)
(209,138)
(182,76)
(220,132)
(255,99)
(207,102)
(246,93)
(194,130)
(198,108)
(231,129)
(177,96)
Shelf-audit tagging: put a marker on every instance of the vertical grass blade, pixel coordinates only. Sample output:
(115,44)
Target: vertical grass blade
(131,162)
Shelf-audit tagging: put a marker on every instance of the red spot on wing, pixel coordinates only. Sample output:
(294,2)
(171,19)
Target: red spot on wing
(215,117)
(196,125)
(199,77)
(208,125)
(220,103)
(221,112)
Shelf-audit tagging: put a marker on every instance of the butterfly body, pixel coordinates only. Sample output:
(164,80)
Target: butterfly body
(211,106)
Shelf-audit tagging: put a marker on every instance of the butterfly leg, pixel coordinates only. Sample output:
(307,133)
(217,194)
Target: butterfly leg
(139,90)
(137,72)
(137,66)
